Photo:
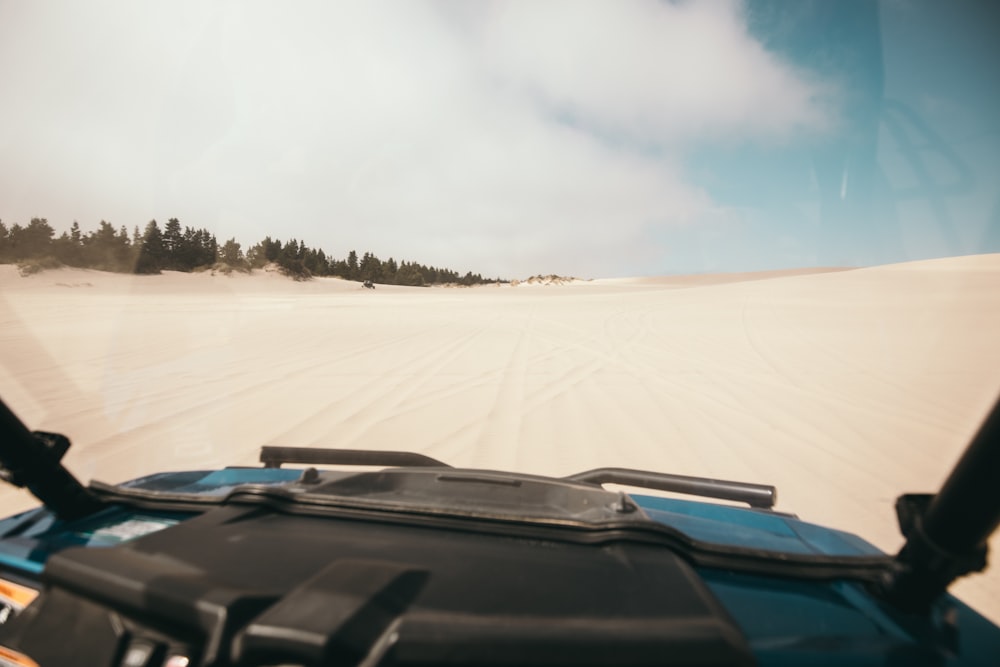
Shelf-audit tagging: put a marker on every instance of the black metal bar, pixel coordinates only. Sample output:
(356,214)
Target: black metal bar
(756,495)
(966,510)
(32,460)
(946,534)
(273,457)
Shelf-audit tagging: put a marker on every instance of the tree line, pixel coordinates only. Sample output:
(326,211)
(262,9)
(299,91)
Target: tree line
(173,248)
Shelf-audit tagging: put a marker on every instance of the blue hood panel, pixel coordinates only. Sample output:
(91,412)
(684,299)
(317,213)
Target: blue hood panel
(757,529)
(702,521)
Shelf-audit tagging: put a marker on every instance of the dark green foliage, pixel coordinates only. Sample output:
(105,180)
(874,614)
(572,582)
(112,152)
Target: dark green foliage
(370,268)
(174,245)
(294,260)
(31,242)
(151,254)
(352,266)
(6,253)
(266,251)
(175,249)
(36,238)
(232,255)
(410,274)
(271,249)
(316,263)
(295,269)
(104,249)
(198,248)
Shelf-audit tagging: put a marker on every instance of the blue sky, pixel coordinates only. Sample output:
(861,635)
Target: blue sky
(514,138)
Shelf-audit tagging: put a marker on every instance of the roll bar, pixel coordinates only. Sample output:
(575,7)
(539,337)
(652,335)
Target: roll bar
(33,460)
(946,533)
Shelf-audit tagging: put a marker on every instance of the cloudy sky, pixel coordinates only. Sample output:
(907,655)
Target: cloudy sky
(514,138)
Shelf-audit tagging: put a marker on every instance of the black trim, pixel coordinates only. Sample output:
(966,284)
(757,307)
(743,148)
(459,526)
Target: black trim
(632,529)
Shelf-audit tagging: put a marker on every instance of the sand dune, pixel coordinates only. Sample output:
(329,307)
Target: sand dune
(704,279)
(841,388)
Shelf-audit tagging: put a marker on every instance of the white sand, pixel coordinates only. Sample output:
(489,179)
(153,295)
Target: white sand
(841,388)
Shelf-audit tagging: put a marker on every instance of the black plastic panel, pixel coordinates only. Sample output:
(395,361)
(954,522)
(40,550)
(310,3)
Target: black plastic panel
(321,590)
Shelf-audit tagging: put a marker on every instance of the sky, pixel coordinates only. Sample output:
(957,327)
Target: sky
(582,138)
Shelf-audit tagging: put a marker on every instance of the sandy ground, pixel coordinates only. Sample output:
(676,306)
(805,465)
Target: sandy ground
(841,388)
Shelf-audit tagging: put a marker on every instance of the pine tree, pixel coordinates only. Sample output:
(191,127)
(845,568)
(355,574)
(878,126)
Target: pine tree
(271,249)
(151,255)
(6,252)
(173,246)
(153,250)
(232,254)
(35,240)
(352,266)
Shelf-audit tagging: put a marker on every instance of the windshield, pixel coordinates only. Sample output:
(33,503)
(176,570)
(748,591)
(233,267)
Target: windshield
(753,241)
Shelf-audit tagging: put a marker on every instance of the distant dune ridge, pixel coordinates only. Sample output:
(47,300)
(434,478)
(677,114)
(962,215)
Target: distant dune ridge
(842,388)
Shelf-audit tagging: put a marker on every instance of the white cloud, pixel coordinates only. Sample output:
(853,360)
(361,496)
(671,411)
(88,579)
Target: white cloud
(506,138)
(651,71)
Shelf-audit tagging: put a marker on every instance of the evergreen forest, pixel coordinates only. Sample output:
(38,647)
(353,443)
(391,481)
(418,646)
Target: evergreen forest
(35,247)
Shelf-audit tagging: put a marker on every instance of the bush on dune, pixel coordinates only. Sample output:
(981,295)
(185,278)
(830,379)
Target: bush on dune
(30,267)
(295,269)
(225,268)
